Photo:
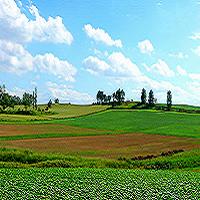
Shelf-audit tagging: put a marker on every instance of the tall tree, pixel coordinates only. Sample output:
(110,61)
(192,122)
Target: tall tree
(144,96)
(169,100)
(119,96)
(151,98)
(49,104)
(56,100)
(100,97)
(109,98)
(35,98)
(27,100)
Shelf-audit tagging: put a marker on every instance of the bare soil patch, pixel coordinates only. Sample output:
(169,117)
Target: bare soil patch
(108,146)
(12,130)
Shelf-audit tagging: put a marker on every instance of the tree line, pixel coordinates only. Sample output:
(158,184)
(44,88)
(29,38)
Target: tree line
(10,101)
(118,97)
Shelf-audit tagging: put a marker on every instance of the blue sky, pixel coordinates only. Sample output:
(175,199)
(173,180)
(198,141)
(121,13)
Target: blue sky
(71,49)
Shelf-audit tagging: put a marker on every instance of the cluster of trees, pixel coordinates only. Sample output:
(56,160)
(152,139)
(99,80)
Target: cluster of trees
(115,99)
(151,101)
(8,100)
(118,97)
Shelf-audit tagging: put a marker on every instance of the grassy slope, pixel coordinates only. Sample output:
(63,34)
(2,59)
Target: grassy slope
(153,122)
(56,183)
(61,111)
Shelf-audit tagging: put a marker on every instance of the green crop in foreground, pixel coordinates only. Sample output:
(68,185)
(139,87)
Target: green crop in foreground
(59,183)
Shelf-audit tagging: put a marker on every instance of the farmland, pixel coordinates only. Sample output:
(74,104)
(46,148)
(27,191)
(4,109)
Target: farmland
(86,151)
(55,183)
(58,111)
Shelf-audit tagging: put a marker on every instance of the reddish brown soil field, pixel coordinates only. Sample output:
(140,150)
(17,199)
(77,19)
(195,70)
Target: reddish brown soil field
(109,146)
(10,130)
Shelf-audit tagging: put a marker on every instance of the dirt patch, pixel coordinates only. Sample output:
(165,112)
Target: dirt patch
(12,130)
(108,146)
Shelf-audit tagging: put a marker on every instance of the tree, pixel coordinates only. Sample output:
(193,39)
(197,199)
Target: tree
(56,100)
(169,100)
(151,99)
(100,97)
(27,100)
(144,96)
(119,96)
(109,98)
(49,104)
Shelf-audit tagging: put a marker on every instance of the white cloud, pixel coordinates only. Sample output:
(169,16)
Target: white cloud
(146,47)
(60,68)
(14,58)
(17,27)
(179,55)
(94,65)
(195,36)
(117,65)
(197,51)
(123,66)
(162,68)
(67,94)
(181,71)
(100,35)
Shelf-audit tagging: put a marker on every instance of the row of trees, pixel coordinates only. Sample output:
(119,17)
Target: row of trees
(116,98)
(8,100)
(152,100)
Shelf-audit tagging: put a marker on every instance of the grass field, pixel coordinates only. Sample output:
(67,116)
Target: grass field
(60,111)
(142,121)
(108,134)
(56,183)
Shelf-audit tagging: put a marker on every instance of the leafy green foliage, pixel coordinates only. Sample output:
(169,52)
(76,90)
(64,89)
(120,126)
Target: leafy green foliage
(57,183)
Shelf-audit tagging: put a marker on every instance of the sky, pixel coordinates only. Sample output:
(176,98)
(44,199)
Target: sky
(71,49)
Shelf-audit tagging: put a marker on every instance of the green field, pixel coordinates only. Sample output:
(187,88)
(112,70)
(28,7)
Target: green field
(88,152)
(57,183)
(142,121)
(59,111)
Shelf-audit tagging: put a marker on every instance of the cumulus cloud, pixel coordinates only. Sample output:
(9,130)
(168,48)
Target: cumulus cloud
(181,71)
(17,27)
(51,64)
(94,65)
(145,47)
(116,65)
(100,35)
(14,58)
(66,94)
(162,68)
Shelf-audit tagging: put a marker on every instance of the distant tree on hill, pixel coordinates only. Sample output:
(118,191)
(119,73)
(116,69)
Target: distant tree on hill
(27,100)
(119,96)
(169,100)
(49,104)
(109,98)
(100,97)
(35,98)
(151,99)
(56,100)
(144,96)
